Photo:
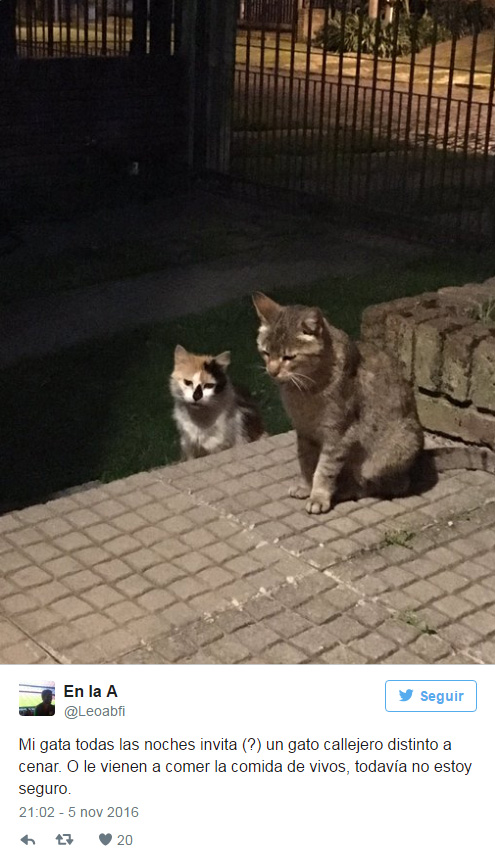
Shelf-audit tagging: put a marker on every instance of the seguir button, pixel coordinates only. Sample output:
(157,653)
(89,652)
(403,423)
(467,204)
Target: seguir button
(431,696)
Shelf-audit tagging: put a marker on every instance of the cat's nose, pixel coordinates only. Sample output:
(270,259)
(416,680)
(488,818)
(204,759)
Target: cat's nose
(273,368)
(198,393)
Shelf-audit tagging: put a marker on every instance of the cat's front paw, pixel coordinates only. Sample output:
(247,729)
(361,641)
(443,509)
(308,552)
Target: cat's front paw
(300,491)
(318,504)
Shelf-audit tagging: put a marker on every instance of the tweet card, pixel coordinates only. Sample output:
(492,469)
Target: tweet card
(199,757)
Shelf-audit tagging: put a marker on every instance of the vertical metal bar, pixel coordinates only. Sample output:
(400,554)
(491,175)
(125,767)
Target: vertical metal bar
(15,39)
(398,142)
(118,18)
(67,12)
(393,72)
(29,27)
(253,146)
(410,97)
(276,129)
(86,26)
(307,79)
(374,85)
(477,216)
(323,99)
(139,27)
(201,38)
(338,105)
(344,146)
(221,64)
(488,133)
(359,162)
(123,28)
(96,28)
(177,26)
(357,82)
(104,27)
(247,72)
(160,27)
(465,153)
(374,180)
(315,87)
(448,102)
(429,99)
(43,26)
(50,23)
(35,29)
(261,90)
(60,24)
(291,90)
(78,27)
(295,154)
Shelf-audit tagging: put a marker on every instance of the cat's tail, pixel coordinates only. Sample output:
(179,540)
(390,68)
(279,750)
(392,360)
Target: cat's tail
(252,423)
(467,458)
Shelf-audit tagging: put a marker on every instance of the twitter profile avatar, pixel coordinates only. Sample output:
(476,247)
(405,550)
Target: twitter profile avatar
(405,696)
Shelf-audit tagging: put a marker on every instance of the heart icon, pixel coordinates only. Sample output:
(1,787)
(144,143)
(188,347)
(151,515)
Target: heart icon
(105,839)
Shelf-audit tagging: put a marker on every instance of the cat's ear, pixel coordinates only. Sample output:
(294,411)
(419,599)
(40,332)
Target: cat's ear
(312,322)
(180,354)
(223,359)
(266,308)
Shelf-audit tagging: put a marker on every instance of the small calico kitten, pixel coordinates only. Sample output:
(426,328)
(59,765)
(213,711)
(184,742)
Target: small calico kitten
(358,432)
(211,413)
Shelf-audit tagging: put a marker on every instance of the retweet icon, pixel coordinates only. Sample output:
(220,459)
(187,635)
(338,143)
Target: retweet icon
(405,696)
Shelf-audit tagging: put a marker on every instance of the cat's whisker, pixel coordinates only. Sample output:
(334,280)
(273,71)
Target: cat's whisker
(304,377)
(299,379)
(294,381)
(297,383)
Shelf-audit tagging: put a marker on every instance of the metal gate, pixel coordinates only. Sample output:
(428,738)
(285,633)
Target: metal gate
(271,14)
(380,111)
(56,28)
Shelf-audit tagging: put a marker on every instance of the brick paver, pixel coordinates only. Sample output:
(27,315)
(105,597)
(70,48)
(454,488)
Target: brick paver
(211,562)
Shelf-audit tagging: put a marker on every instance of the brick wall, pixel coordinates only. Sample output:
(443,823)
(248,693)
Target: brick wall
(64,121)
(445,344)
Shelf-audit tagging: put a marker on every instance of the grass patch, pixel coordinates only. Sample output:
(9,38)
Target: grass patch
(398,537)
(410,617)
(102,411)
(484,312)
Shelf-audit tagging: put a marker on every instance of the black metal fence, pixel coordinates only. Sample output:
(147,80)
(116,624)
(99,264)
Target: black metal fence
(272,14)
(389,118)
(54,28)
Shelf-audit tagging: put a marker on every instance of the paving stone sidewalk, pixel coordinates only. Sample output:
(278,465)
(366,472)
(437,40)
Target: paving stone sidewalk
(211,562)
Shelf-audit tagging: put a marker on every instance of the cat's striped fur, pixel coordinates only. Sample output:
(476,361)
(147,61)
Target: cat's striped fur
(358,431)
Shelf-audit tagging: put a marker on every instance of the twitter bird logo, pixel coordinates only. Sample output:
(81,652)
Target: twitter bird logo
(405,696)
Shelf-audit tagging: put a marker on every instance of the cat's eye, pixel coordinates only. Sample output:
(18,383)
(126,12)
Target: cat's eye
(264,352)
(188,383)
(288,357)
(209,385)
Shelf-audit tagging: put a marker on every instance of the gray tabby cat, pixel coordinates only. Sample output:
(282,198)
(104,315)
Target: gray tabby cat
(358,432)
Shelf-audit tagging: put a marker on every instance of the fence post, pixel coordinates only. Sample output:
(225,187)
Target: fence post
(208,50)
(160,27)
(7,29)
(139,27)
(374,9)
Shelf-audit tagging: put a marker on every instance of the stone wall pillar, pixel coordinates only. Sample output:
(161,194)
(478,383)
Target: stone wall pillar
(444,343)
